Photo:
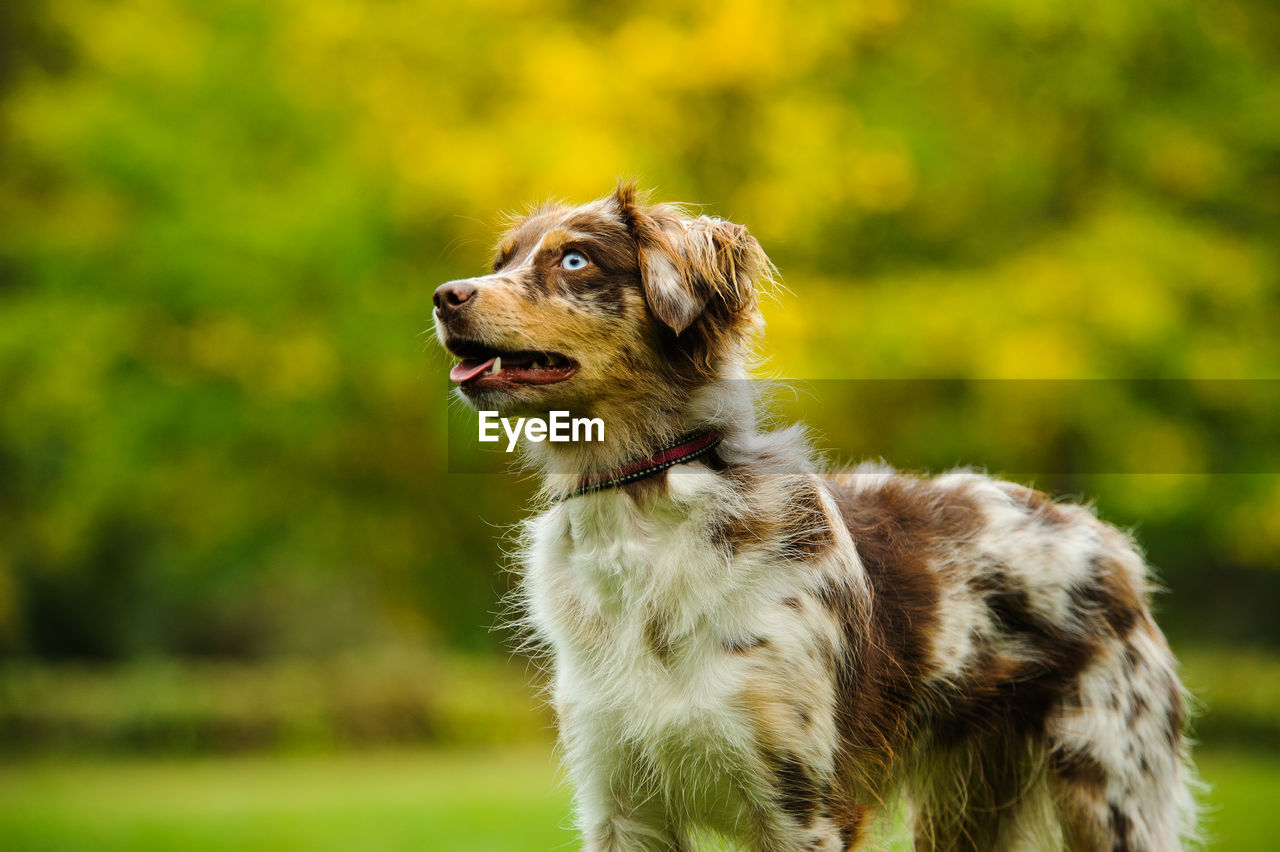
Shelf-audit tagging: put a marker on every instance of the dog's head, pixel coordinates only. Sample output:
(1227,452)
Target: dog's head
(616,300)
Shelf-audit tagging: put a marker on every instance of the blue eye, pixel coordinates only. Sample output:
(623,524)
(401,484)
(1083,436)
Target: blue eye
(573,260)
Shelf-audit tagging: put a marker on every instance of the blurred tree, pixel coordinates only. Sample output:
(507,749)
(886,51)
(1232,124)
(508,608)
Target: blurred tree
(221,223)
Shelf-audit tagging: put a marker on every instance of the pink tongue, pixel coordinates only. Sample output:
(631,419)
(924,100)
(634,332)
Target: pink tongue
(467,370)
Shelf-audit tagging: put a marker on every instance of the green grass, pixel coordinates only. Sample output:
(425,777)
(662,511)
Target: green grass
(1243,808)
(415,800)
(472,801)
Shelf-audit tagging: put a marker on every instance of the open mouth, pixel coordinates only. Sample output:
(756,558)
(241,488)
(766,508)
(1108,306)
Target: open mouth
(486,367)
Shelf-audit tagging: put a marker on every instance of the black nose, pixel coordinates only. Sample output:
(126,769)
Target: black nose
(452,296)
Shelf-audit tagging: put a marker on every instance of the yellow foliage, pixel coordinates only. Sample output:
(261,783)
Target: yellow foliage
(223,221)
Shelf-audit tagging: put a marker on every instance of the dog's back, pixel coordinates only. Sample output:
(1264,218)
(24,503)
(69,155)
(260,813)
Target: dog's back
(779,657)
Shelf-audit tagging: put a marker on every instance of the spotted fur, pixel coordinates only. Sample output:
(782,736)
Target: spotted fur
(751,646)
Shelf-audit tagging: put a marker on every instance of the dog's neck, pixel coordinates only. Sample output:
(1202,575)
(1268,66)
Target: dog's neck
(636,430)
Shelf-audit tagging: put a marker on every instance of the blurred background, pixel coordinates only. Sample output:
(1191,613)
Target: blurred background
(243,601)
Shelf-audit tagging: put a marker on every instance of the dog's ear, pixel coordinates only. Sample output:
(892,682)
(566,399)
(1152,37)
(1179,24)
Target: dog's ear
(691,266)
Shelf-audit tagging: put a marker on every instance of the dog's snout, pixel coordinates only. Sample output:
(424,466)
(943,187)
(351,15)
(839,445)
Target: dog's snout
(453,295)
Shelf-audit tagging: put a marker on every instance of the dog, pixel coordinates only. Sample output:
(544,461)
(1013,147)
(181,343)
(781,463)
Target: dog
(746,646)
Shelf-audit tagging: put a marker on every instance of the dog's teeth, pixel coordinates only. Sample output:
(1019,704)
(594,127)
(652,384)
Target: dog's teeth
(497,367)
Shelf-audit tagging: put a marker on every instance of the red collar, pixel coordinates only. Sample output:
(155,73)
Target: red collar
(689,448)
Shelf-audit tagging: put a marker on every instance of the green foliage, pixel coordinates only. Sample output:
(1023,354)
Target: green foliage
(1238,693)
(308,705)
(221,223)
(406,696)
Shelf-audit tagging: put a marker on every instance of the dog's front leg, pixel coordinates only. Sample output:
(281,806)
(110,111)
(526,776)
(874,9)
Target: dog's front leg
(622,834)
(621,811)
(620,802)
(830,826)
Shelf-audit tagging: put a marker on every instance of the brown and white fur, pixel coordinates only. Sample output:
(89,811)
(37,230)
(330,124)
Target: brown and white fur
(746,646)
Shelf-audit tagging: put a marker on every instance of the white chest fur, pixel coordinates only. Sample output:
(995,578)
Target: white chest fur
(637,601)
(642,609)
